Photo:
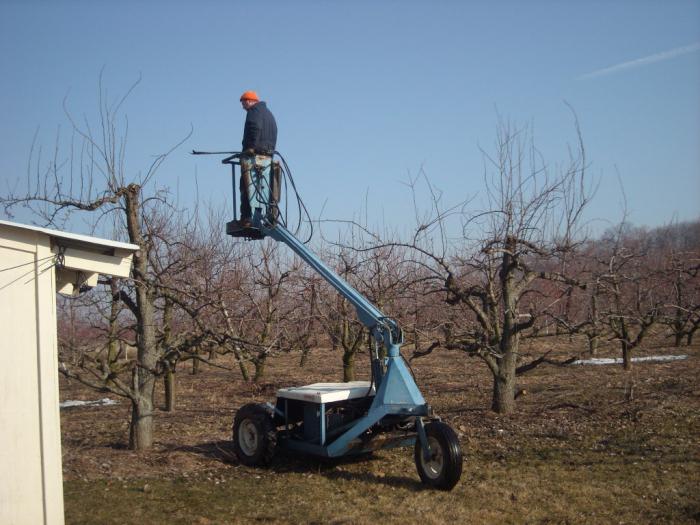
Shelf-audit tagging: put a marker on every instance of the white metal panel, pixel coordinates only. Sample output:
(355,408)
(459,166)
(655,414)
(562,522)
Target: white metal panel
(69,282)
(21,485)
(327,392)
(89,261)
(47,356)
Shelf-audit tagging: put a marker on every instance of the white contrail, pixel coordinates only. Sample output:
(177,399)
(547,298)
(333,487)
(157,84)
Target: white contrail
(656,57)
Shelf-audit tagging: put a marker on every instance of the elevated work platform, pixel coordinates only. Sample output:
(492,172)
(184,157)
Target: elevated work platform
(235,229)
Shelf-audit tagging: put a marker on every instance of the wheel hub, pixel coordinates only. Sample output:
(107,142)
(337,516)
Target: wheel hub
(433,466)
(248,437)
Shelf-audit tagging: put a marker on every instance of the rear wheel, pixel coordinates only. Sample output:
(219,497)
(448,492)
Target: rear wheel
(443,468)
(254,435)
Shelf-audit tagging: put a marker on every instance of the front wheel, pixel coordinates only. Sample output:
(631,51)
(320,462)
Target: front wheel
(254,435)
(443,468)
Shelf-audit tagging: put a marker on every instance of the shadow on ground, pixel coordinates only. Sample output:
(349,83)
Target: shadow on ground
(285,462)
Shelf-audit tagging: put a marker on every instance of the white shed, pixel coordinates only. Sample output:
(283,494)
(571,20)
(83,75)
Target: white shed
(35,264)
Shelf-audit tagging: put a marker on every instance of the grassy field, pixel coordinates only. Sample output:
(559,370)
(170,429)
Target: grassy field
(589,444)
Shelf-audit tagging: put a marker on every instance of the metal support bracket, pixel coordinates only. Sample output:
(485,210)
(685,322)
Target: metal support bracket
(423,438)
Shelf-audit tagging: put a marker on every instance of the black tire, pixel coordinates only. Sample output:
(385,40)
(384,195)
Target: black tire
(254,435)
(444,468)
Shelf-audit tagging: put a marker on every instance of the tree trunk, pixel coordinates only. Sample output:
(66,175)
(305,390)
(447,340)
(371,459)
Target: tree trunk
(113,339)
(237,355)
(169,376)
(169,384)
(503,401)
(244,370)
(141,425)
(416,340)
(304,357)
(141,428)
(141,437)
(259,368)
(348,366)
(195,365)
(593,342)
(309,327)
(350,342)
(678,324)
(626,355)
(678,339)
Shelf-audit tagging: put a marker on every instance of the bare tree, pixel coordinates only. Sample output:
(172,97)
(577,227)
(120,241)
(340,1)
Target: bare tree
(682,282)
(629,289)
(265,305)
(338,317)
(204,288)
(583,312)
(530,226)
(302,330)
(89,175)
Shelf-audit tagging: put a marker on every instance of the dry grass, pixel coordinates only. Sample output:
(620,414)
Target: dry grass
(581,449)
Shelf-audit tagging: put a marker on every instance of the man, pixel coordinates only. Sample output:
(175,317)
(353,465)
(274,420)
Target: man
(259,143)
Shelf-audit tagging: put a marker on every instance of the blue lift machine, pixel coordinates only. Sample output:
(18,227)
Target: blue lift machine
(338,419)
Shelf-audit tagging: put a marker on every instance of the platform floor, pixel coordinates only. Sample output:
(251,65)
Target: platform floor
(234,229)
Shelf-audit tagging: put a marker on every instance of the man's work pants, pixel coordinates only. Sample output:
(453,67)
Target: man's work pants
(255,188)
(259,191)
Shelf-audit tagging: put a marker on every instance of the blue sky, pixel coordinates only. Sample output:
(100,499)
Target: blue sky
(367,92)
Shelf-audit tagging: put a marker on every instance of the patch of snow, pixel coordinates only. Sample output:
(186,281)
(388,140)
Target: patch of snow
(618,360)
(99,402)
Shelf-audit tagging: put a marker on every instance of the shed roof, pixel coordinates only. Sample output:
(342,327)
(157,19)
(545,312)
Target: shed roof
(76,238)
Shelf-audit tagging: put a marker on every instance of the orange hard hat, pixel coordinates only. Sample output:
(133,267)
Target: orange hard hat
(250,95)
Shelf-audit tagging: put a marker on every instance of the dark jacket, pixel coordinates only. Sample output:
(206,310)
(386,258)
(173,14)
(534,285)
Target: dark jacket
(260,130)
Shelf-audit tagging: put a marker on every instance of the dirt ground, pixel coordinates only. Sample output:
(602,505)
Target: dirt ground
(588,444)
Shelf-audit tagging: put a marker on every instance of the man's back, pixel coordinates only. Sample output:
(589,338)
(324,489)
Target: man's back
(260,131)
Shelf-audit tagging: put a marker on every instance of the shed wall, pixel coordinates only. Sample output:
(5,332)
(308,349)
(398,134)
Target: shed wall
(30,454)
